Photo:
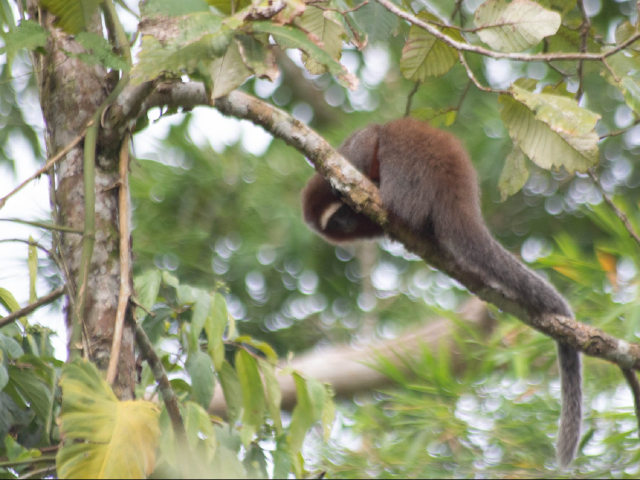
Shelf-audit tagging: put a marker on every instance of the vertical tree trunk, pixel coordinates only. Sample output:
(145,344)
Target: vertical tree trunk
(70,93)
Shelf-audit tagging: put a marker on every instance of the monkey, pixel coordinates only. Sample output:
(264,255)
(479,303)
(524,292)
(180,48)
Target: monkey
(428,183)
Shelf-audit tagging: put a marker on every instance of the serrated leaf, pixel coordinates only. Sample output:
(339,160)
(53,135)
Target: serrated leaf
(258,57)
(214,327)
(228,72)
(200,368)
(553,131)
(224,6)
(147,287)
(514,26)
(253,399)
(627,69)
(232,391)
(328,29)
(73,15)
(99,52)
(116,439)
(27,35)
(289,37)
(424,55)
(274,394)
(32,261)
(514,174)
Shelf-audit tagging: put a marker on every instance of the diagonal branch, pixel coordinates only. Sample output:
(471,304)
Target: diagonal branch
(46,300)
(363,196)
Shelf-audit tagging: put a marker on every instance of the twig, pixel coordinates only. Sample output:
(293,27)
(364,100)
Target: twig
(584,36)
(619,213)
(134,300)
(46,226)
(525,57)
(619,132)
(458,8)
(47,299)
(168,395)
(632,380)
(50,163)
(22,240)
(16,463)
(38,472)
(125,260)
(410,98)
(473,78)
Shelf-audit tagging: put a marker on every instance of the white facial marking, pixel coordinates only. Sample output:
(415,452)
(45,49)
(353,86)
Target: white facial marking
(328,213)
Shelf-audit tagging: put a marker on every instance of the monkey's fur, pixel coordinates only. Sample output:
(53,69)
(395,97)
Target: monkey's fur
(427,182)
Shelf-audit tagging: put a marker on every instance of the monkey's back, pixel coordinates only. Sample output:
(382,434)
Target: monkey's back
(425,175)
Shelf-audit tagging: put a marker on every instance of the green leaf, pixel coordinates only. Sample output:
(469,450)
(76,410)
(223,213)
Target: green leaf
(200,368)
(281,458)
(32,261)
(10,347)
(326,25)
(147,287)
(201,310)
(553,131)
(424,55)
(231,390)
(626,68)
(28,35)
(328,417)
(274,394)
(73,15)
(437,118)
(33,389)
(255,462)
(224,6)
(253,399)
(8,301)
(171,8)
(377,21)
(99,52)
(258,56)
(4,376)
(264,347)
(214,326)
(11,414)
(228,72)
(105,438)
(289,37)
(514,174)
(302,419)
(514,26)
(200,432)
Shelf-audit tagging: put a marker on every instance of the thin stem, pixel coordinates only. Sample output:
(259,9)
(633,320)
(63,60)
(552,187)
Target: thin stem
(619,132)
(17,463)
(45,225)
(168,395)
(584,36)
(632,380)
(623,218)
(410,98)
(22,240)
(47,299)
(473,78)
(50,163)
(125,260)
(39,472)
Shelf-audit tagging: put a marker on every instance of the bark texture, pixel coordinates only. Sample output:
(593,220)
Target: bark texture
(70,93)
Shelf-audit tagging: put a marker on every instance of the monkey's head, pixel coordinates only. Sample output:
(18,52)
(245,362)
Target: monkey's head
(334,220)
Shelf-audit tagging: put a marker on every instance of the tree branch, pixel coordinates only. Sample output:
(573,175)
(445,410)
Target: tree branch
(364,197)
(524,57)
(47,299)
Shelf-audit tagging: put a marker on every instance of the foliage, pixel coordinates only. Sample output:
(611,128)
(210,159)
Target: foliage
(228,279)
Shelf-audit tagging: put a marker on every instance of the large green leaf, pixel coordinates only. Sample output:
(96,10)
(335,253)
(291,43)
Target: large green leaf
(514,174)
(626,68)
(302,419)
(326,25)
(552,130)
(514,26)
(105,438)
(377,21)
(253,399)
(34,379)
(201,310)
(274,394)
(73,15)
(200,368)
(258,56)
(28,35)
(99,52)
(424,55)
(172,8)
(231,390)
(289,37)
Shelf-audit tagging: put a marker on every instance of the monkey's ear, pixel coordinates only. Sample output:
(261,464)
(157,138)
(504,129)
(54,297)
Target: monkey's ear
(334,220)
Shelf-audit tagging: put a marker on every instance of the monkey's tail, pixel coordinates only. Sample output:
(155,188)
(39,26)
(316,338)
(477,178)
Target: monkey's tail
(571,415)
(499,268)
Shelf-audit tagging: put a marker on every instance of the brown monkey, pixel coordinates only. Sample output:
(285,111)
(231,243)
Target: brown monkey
(427,181)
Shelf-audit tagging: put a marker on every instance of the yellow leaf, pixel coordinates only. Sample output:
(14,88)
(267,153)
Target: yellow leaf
(104,437)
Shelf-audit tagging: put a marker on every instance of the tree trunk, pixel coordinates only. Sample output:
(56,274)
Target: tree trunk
(70,93)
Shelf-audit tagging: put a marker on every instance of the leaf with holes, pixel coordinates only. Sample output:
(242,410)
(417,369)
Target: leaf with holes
(328,29)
